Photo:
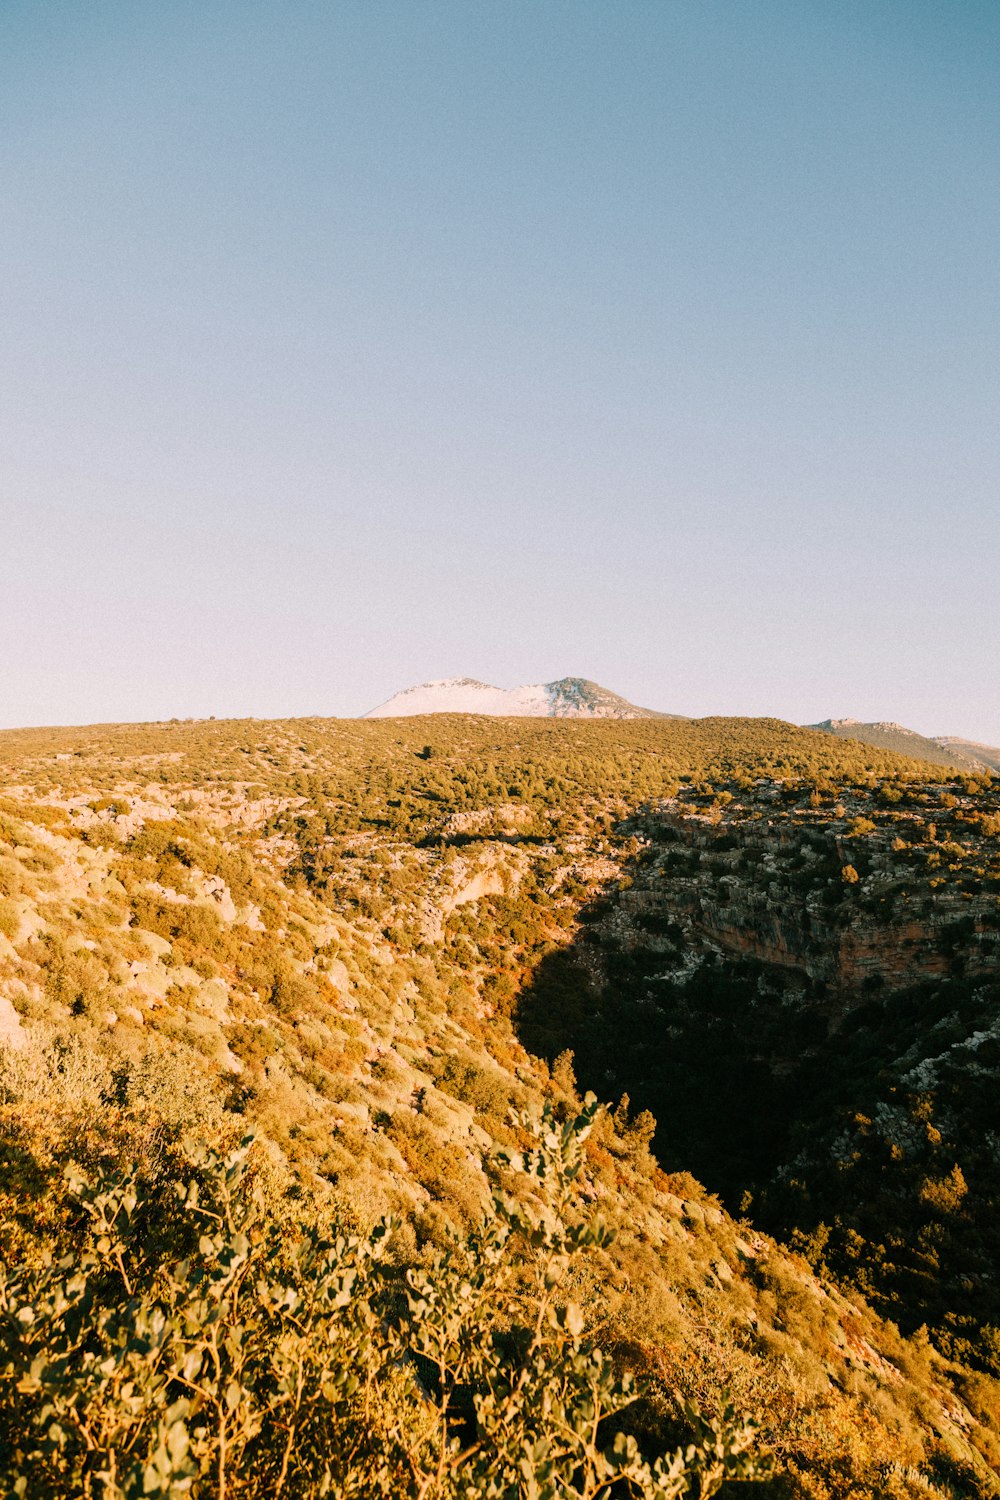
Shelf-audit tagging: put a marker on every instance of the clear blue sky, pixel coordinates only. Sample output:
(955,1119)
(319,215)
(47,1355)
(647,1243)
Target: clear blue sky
(351,343)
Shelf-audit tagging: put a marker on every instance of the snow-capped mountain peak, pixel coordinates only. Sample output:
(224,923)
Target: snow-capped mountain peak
(567,698)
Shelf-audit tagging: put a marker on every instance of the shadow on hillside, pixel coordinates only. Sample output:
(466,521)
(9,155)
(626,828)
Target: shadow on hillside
(24,1174)
(724,1069)
(464,840)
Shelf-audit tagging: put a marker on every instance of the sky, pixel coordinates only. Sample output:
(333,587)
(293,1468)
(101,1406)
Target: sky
(349,344)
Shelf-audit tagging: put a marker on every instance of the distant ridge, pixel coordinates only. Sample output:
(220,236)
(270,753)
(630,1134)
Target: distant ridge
(941,750)
(982,755)
(567,698)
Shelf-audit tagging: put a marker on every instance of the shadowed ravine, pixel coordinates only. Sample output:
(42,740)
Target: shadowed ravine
(793,1083)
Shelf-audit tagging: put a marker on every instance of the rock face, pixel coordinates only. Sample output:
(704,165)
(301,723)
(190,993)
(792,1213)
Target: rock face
(567,698)
(772,890)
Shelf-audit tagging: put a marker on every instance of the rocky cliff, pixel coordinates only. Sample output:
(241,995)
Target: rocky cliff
(816,895)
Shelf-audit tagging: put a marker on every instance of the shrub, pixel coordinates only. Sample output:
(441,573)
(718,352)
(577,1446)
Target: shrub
(486,1090)
(238,1362)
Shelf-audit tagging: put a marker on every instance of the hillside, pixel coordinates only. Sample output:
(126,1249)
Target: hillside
(368,943)
(568,698)
(981,755)
(940,750)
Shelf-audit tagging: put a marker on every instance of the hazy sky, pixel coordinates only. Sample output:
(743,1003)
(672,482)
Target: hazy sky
(352,343)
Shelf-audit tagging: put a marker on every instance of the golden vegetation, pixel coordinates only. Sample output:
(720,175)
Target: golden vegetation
(321,931)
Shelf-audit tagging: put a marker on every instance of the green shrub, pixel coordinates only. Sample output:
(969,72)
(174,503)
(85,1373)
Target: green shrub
(241,1360)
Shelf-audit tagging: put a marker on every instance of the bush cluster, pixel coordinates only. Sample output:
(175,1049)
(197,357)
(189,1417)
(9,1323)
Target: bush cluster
(198,1348)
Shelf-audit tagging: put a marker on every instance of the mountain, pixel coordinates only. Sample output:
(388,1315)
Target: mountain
(981,755)
(568,698)
(941,750)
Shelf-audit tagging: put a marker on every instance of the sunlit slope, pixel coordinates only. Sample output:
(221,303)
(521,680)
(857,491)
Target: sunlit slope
(320,930)
(556,760)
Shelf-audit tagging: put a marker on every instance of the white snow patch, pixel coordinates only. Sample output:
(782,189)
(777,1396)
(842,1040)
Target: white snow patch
(463,695)
(569,697)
